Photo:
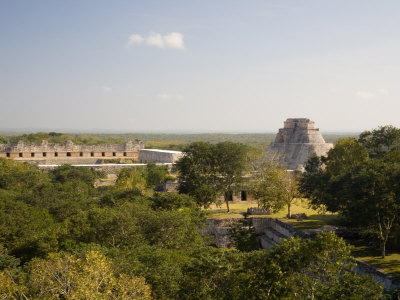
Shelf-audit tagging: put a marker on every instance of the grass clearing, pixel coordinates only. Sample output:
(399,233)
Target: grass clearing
(372,255)
(237,210)
(314,219)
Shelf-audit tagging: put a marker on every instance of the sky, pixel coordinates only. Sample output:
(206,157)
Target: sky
(199,66)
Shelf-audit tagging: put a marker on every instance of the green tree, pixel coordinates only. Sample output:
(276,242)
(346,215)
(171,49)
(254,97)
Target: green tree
(91,277)
(346,154)
(3,140)
(155,175)
(162,269)
(108,227)
(198,173)
(321,269)
(62,200)
(296,269)
(371,198)
(12,286)
(26,231)
(20,177)
(380,140)
(364,191)
(207,170)
(290,189)
(211,275)
(172,201)
(132,179)
(313,181)
(274,187)
(231,159)
(68,173)
(6,260)
(323,174)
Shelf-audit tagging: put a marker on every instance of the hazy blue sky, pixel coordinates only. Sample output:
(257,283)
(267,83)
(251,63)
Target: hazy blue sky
(199,65)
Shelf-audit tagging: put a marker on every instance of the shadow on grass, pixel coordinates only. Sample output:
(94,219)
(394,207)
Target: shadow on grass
(315,221)
(388,265)
(372,255)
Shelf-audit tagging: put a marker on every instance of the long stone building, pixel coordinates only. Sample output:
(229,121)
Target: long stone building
(69,152)
(296,142)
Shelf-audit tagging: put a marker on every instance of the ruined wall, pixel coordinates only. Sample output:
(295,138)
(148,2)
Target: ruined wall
(296,142)
(46,153)
(218,230)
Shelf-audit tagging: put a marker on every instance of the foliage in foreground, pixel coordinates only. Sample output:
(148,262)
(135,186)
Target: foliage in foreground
(64,276)
(86,243)
(296,269)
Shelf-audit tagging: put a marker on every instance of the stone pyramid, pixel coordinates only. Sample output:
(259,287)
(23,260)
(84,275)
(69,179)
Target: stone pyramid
(296,142)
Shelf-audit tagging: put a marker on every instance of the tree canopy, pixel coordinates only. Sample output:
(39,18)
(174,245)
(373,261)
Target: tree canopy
(359,180)
(207,170)
(62,237)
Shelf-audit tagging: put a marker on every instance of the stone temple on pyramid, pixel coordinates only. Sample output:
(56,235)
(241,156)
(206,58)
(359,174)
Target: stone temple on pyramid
(296,142)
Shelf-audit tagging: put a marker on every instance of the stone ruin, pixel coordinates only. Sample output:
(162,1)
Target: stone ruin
(296,142)
(69,152)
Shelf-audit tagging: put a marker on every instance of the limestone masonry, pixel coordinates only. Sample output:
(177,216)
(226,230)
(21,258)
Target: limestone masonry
(69,152)
(159,156)
(296,142)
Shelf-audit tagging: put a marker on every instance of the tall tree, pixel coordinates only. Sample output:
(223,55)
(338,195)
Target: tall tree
(207,170)
(131,179)
(231,162)
(155,175)
(198,173)
(290,187)
(373,198)
(321,173)
(346,154)
(264,177)
(274,186)
(364,190)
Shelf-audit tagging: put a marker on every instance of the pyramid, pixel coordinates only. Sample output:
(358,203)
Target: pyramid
(296,142)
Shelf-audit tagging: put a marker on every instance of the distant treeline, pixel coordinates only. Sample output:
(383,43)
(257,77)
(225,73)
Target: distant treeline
(157,140)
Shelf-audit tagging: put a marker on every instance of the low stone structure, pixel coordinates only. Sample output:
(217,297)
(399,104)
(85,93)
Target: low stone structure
(170,186)
(296,142)
(69,152)
(159,156)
